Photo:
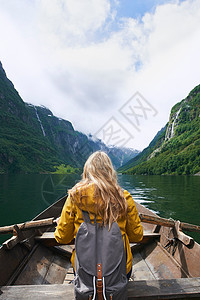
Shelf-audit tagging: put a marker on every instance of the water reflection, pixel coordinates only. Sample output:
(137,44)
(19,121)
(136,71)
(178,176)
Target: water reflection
(176,197)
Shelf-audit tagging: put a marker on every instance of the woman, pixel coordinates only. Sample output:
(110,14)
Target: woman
(99,193)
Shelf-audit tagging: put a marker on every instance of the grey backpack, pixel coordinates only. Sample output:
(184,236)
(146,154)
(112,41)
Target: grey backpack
(100,262)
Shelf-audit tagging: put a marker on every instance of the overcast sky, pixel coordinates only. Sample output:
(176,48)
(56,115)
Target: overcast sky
(113,68)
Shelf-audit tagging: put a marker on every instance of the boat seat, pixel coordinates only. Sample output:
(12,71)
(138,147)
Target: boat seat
(48,237)
(182,288)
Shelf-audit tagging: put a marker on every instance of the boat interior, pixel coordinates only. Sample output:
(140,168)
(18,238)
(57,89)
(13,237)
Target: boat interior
(163,267)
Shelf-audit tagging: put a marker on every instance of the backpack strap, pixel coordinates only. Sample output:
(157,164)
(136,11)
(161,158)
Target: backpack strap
(86,217)
(99,282)
(125,245)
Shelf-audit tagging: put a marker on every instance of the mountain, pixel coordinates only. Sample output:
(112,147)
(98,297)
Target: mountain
(33,140)
(175,150)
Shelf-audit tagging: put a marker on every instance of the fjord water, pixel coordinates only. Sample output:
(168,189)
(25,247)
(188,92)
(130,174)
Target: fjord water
(176,197)
(22,197)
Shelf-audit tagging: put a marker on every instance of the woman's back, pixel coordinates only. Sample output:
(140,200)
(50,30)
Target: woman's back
(99,194)
(71,219)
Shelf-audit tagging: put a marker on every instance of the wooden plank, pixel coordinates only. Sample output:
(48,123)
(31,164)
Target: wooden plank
(10,261)
(50,235)
(38,292)
(57,271)
(10,243)
(44,267)
(141,270)
(186,256)
(36,269)
(20,238)
(189,259)
(45,235)
(48,239)
(182,288)
(147,236)
(161,263)
(28,225)
(168,222)
(21,266)
(63,250)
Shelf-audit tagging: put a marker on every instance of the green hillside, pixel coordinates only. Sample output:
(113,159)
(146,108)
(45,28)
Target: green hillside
(33,140)
(155,143)
(21,145)
(176,148)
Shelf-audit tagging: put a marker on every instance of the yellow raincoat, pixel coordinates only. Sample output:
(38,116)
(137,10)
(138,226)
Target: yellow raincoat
(131,228)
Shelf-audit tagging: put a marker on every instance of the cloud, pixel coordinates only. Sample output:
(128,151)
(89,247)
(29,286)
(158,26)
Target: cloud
(84,63)
(71,22)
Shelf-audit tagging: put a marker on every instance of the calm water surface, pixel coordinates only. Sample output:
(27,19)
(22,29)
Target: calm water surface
(22,197)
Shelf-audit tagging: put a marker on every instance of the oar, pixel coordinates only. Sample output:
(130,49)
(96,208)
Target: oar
(28,225)
(168,223)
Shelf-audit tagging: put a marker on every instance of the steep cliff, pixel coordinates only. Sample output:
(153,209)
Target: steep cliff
(176,148)
(21,145)
(33,140)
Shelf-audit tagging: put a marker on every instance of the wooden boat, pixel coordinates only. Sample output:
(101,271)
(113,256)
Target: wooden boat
(165,265)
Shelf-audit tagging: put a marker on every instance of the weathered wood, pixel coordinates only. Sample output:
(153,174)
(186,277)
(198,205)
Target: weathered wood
(27,225)
(63,250)
(141,270)
(40,269)
(38,292)
(43,268)
(57,271)
(45,236)
(147,236)
(48,239)
(161,263)
(168,223)
(11,260)
(10,243)
(185,239)
(21,238)
(19,269)
(182,288)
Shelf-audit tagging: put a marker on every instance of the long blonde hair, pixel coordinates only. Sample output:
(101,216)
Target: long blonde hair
(98,170)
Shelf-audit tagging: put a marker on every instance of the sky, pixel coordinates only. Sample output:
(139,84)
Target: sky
(114,68)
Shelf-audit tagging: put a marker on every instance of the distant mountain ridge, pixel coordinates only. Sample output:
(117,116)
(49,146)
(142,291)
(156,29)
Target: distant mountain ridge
(175,150)
(33,140)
